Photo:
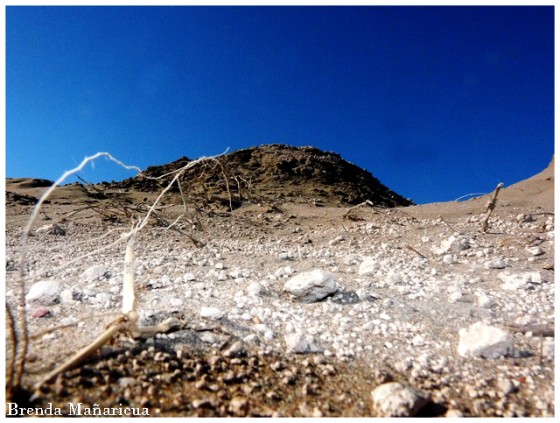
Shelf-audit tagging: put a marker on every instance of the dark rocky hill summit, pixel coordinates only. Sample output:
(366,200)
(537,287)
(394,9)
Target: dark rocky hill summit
(272,173)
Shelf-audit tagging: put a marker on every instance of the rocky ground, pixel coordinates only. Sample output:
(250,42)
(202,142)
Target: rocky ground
(296,310)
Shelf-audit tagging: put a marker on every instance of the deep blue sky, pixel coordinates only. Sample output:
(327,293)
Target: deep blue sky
(436,102)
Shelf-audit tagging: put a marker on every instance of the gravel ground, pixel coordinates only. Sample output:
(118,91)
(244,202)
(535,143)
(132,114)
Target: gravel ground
(408,286)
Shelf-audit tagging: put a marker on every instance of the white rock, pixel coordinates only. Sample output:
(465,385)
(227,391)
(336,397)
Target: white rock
(300,343)
(455,296)
(176,302)
(211,313)
(44,293)
(368,266)
(536,251)
(548,348)
(336,240)
(93,273)
(484,301)
(449,259)
(103,298)
(255,289)
(66,296)
(51,229)
(393,278)
(496,263)
(284,271)
(311,286)
(397,400)
(187,277)
(364,295)
(453,244)
(519,280)
(481,340)
(418,341)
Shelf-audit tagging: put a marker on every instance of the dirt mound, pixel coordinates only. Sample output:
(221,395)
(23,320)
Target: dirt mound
(15,183)
(272,173)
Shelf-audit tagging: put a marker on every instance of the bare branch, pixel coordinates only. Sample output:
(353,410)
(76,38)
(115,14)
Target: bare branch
(491,206)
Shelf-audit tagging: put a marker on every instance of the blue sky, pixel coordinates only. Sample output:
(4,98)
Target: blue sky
(436,102)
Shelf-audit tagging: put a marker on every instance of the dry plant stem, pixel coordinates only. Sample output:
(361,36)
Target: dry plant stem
(82,354)
(123,323)
(13,343)
(449,226)
(50,330)
(23,342)
(183,197)
(129,295)
(411,248)
(227,184)
(491,206)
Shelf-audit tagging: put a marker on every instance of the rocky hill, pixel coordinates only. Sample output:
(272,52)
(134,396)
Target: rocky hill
(274,173)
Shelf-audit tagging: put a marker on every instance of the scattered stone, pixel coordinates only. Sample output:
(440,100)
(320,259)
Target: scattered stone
(237,349)
(302,344)
(256,289)
(211,313)
(40,312)
(336,240)
(93,273)
(66,296)
(188,277)
(548,348)
(519,280)
(312,286)
(449,259)
(52,229)
(525,218)
(455,295)
(505,386)
(454,413)
(496,263)
(484,301)
(536,251)
(481,340)
(393,278)
(395,399)
(44,293)
(368,266)
(284,271)
(125,382)
(239,406)
(365,295)
(453,245)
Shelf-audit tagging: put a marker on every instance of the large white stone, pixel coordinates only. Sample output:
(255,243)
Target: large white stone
(482,340)
(394,399)
(311,286)
(368,266)
(44,293)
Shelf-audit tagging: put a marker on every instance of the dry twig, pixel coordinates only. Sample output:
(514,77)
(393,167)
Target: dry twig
(491,206)
(411,248)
